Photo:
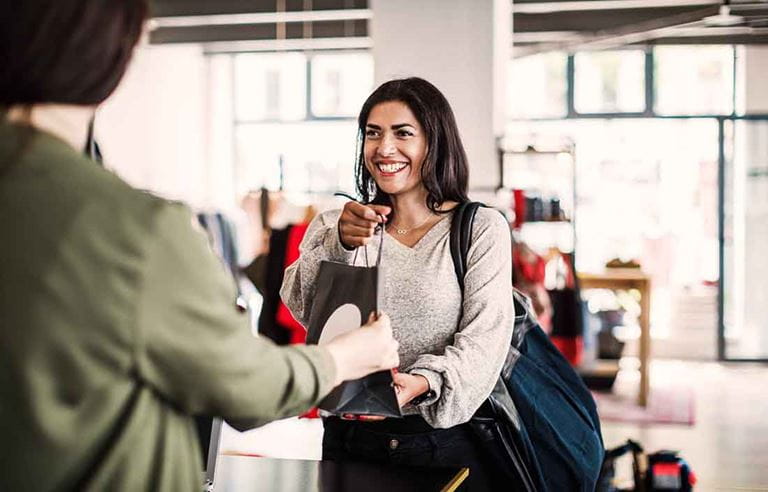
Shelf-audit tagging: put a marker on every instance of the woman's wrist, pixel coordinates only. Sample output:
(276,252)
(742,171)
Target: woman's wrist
(422,391)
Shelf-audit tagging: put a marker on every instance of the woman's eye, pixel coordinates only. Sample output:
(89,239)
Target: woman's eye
(371,133)
(405,133)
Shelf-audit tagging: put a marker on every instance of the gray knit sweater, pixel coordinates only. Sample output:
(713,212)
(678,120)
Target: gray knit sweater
(459,349)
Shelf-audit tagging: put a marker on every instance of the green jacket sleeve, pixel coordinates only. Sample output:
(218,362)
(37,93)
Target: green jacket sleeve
(197,351)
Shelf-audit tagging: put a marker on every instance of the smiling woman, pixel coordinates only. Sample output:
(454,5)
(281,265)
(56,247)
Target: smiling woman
(412,172)
(419,117)
(394,147)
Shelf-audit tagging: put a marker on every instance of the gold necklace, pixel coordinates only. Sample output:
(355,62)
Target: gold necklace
(402,231)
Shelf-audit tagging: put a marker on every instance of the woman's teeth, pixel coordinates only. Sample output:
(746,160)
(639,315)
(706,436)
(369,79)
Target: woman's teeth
(391,168)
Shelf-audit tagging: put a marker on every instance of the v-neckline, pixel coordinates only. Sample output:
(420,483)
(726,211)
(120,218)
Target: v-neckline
(421,239)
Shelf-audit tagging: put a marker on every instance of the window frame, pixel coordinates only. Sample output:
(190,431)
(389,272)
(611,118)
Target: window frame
(309,115)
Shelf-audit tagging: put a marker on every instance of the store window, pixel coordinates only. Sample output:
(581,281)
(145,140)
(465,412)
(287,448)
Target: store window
(270,86)
(277,143)
(694,79)
(647,191)
(340,83)
(745,285)
(301,157)
(538,86)
(610,82)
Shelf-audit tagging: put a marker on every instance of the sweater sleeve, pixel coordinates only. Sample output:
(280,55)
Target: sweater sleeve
(321,243)
(198,352)
(463,376)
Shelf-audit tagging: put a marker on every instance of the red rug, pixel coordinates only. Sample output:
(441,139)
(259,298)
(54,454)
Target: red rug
(666,405)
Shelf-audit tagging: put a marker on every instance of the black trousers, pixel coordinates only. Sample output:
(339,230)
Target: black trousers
(412,442)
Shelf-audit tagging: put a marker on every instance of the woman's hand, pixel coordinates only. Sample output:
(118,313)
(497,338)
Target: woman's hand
(407,387)
(364,351)
(358,222)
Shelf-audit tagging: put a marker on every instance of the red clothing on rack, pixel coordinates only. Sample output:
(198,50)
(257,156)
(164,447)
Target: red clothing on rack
(284,316)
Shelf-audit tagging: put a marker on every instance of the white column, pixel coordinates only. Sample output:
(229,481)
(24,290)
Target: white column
(152,129)
(463,48)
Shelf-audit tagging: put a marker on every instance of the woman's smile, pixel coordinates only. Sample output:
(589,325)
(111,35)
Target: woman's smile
(390,168)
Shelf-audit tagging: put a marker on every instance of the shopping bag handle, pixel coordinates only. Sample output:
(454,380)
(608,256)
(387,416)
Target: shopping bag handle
(379,228)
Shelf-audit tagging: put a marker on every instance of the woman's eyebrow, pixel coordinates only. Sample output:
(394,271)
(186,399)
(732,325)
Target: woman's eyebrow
(394,127)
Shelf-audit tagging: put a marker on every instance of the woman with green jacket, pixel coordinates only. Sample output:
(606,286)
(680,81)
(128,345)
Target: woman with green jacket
(117,323)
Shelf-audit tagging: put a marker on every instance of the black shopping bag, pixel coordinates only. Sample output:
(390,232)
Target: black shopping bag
(346,295)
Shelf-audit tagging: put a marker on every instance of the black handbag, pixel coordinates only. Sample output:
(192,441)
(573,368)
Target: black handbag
(540,416)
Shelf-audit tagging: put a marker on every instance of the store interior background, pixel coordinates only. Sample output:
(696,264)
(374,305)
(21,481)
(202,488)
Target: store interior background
(666,114)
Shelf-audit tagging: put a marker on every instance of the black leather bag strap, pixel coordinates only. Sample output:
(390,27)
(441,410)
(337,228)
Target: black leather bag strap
(461,237)
(499,415)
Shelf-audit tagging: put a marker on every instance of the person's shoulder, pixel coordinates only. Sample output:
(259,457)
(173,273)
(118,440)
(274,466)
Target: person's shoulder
(128,206)
(490,219)
(79,183)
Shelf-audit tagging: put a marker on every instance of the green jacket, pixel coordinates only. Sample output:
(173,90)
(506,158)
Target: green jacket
(112,303)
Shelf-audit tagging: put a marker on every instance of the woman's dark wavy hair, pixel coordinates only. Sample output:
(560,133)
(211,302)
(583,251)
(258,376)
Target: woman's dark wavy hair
(66,51)
(445,172)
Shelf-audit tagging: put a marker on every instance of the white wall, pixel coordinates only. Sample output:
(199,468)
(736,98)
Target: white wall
(460,46)
(155,129)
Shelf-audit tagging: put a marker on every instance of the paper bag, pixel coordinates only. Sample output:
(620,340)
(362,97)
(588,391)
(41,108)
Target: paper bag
(346,295)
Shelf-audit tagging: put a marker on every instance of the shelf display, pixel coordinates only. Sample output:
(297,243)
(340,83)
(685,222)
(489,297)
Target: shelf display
(541,181)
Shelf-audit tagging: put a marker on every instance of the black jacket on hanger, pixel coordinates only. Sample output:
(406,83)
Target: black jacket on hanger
(268,325)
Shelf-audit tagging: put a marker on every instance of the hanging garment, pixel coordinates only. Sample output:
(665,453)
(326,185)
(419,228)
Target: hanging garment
(284,318)
(275,267)
(528,272)
(568,312)
(221,234)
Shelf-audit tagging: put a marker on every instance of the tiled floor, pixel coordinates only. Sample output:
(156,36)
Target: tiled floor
(727,447)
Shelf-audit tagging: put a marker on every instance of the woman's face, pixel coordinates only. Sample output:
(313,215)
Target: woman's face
(395,147)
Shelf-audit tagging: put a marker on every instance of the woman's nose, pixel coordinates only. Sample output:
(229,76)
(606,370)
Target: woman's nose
(387,146)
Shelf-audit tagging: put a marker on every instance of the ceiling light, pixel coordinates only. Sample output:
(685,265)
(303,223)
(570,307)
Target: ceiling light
(724,18)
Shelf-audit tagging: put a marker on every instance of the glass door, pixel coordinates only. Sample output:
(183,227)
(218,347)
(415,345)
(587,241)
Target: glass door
(743,333)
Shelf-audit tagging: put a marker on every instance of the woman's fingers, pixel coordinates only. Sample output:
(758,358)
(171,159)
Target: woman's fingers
(355,241)
(369,212)
(366,213)
(355,230)
(381,210)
